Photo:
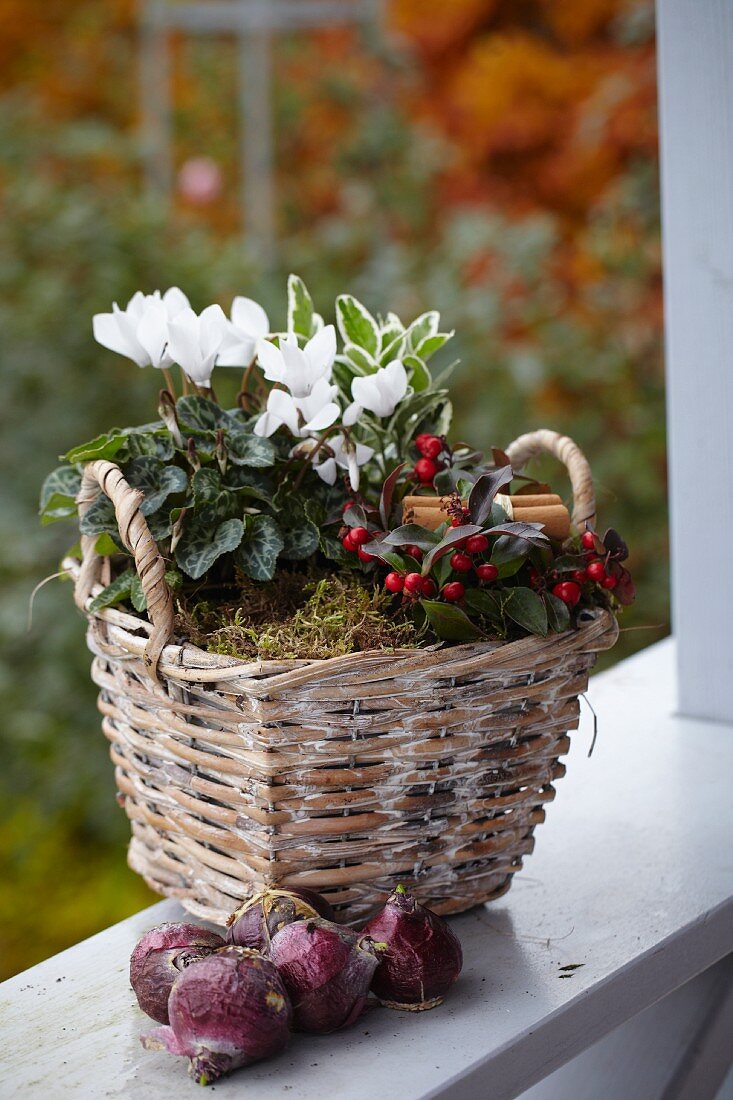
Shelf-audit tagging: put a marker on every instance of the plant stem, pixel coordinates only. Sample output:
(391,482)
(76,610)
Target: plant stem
(169,382)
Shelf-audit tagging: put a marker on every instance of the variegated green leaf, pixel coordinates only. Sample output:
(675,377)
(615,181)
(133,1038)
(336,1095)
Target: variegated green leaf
(246,449)
(199,414)
(99,518)
(300,307)
(115,592)
(356,324)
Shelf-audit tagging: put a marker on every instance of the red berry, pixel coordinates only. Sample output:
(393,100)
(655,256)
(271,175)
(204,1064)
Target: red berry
(393,582)
(363,556)
(477,544)
(429,587)
(348,504)
(421,440)
(568,592)
(359,535)
(457,521)
(348,543)
(610,580)
(430,447)
(596,570)
(588,540)
(425,470)
(453,591)
(487,572)
(534,577)
(414,552)
(590,555)
(413,583)
(580,576)
(461,563)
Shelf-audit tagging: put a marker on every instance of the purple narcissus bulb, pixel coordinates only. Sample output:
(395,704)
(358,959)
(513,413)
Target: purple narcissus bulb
(159,958)
(327,970)
(226,1011)
(260,917)
(423,956)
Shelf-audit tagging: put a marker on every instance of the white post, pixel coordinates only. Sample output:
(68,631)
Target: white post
(695,43)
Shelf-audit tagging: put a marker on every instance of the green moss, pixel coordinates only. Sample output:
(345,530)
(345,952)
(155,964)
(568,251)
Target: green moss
(300,616)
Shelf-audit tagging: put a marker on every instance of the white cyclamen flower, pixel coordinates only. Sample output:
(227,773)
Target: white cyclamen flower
(313,413)
(299,368)
(380,393)
(346,454)
(195,341)
(249,324)
(140,330)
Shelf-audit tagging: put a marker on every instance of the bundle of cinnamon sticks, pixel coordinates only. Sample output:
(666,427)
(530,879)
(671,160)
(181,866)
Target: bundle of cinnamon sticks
(545,508)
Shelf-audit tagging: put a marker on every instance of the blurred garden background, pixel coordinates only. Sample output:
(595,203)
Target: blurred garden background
(495,159)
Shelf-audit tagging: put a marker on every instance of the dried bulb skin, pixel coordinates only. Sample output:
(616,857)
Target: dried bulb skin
(226,1011)
(261,917)
(159,957)
(423,956)
(327,971)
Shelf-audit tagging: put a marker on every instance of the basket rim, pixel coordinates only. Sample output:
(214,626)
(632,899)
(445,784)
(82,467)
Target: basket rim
(131,633)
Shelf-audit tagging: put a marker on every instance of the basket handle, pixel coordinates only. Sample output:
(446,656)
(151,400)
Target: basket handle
(136,536)
(544,441)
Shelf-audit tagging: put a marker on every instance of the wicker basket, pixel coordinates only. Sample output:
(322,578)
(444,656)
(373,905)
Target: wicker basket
(345,775)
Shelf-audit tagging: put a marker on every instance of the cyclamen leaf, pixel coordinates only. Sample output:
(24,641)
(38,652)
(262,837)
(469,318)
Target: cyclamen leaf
(203,542)
(155,441)
(247,449)
(63,482)
(58,507)
(300,307)
(449,622)
(99,518)
(299,541)
(155,480)
(526,609)
(199,414)
(103,447)
(258,553)
(138,599)
(484,491)
(115,592)
(356,324)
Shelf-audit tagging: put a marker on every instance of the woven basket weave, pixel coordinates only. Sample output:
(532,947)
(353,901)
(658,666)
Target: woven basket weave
(345,775)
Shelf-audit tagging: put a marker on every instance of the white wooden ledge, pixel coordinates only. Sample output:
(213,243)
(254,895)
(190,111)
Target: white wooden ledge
(632,878)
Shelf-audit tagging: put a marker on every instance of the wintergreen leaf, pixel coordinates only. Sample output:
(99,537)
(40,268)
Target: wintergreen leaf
(155,480)
(558,613)
(204,541)
(448,542)
(449,622)
(257,555)
(507,549)
(115,592)
(485,603)
(246,449)
(526,608)
(103,447)
(356,324)
(387,495)
(300,307)
(412,534)
(484,491)
(300,540)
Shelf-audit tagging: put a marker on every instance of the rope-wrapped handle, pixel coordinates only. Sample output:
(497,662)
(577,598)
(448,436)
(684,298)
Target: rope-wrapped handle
(136,536)
(544,441)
